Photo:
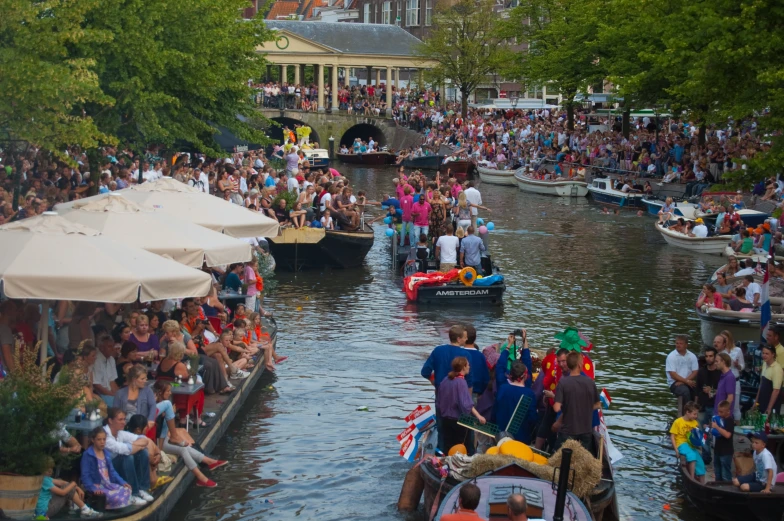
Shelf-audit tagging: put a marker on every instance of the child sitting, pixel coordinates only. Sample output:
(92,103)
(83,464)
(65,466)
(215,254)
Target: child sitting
(723,451)
(679,435)
(56,494)
(765,476)
(326,221)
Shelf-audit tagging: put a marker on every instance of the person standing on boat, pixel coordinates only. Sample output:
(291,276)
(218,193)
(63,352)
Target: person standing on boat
(773,337)
(509,395)
(708,377)
(681,368)
(406,205)
(576,397)
(471,249)
(475,198)
(420,211)
(453,400)
(769,393)
(446,250)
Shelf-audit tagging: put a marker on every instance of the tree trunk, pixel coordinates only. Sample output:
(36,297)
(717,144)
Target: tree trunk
(94,161)
(16,160)
(701,137)
(569,115)
(625,120)
(464,103)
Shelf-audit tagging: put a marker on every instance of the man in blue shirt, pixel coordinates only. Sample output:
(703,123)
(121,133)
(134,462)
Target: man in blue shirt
(471,251)
(507,399)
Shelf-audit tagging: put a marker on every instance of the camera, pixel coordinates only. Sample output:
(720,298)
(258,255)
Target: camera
(205,322)
(518,332)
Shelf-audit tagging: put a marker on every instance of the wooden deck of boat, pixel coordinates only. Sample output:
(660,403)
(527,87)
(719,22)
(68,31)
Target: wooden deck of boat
(225,408)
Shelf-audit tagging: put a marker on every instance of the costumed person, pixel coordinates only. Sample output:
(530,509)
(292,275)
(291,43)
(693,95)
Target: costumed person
(509,396)
(509,352)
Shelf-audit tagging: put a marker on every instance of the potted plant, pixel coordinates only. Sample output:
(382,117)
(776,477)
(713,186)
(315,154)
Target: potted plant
(31,407)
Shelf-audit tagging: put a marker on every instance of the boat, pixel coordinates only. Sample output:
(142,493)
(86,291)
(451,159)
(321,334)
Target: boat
(603,192)
(308,248)
(722,500)
(496,488)
(317,157)
(603,499)
(715,245)
(368,158)
(750,218)
(461,169)
(455,293)
(431,162)
(559,188)
(494,176)
(680,209)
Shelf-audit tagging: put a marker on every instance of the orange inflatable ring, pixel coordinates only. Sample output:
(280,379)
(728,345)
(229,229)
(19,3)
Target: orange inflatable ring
(467,276)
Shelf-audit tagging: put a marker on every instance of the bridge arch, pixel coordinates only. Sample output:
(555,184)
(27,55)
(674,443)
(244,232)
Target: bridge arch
(363,131)
(275,132)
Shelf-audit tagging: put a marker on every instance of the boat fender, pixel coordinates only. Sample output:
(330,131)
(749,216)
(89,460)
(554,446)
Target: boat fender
(411,492)
(467,276)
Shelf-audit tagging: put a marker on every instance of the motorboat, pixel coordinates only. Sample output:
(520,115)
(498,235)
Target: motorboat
(493,176)
(430,162)
(317,157)
(683,209)
(559,187)
(304,248)
(460,168)
(424,285)
(750,218)
(368,158)
(602,191)
(715,245)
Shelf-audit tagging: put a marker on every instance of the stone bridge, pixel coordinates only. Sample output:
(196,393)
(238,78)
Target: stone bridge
(344,128)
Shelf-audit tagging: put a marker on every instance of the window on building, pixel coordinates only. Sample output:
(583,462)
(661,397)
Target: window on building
(386,12)
(399,20)
(366,16)
(534,92)
(412,13)
(428,12)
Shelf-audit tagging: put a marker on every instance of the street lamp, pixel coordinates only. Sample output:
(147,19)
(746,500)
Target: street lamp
(514,100)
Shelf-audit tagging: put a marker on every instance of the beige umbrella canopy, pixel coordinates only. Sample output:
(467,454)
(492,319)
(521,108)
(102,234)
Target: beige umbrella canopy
(125,221)
(48,257)
(174,198)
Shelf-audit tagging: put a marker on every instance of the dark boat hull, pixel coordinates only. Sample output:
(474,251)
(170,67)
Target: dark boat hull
(460,169)
(368,158)
(460,295)
(337,249)
(423,162)
(723,501)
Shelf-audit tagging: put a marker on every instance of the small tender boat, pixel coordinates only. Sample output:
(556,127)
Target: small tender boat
(603,192)
(722,500)
(711,245)
(557,187)
(368,158)
(680,209)
(455,293)
(317,157)
(424,162)
(751,218)
(297,249)
(494,176)
(462,168)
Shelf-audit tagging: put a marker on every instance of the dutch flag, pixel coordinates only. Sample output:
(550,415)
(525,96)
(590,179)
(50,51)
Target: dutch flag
(409,448)
(765,311)
(604,397)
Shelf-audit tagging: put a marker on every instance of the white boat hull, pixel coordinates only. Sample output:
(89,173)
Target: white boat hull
(556,188)
(708,245)
(492,176)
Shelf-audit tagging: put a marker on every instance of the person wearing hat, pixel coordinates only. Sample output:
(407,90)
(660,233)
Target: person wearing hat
(700,230)
(763,479)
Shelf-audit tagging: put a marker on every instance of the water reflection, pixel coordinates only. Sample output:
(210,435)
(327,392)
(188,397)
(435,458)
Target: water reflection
(354,342)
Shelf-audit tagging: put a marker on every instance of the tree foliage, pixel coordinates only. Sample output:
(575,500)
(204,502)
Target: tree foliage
(43,86)
(466,45)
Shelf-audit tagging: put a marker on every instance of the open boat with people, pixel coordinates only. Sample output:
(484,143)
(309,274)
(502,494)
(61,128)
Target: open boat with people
(560,187)
(750,218)
(317,157)
(494,176)
(715,245)
(602,191)
(683,209)
(461,168)
(368,158)
(302,248)
(456,287)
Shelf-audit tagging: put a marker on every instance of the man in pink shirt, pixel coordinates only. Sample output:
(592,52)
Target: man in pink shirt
(421,213)
(406,204)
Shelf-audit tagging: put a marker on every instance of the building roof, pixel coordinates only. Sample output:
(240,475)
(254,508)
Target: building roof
(381,39)
(283,8)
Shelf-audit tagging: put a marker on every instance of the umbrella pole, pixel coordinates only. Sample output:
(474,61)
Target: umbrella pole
(43,331)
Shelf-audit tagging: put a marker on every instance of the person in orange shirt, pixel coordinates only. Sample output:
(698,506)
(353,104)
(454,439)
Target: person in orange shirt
(467,503)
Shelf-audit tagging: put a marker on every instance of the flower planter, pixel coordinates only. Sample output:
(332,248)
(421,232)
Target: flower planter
(19,494)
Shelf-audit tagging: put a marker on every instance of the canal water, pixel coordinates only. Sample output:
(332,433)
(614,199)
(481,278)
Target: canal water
(317,440)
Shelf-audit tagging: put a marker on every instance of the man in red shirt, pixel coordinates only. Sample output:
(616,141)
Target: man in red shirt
(467,503)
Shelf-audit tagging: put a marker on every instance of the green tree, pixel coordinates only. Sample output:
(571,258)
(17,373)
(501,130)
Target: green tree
(177,69)
(465,45)
(44,87)
(562,49)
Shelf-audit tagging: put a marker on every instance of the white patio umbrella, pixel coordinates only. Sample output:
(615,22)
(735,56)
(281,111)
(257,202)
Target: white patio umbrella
(50,258)
(180,200)
(123,220)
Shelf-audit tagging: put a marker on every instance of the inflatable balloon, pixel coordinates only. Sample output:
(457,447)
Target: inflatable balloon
(491,226)
(483,229)
(480,221)
(390,232)
(387,220)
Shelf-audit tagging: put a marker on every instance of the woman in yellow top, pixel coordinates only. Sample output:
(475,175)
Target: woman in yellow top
(679,435)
